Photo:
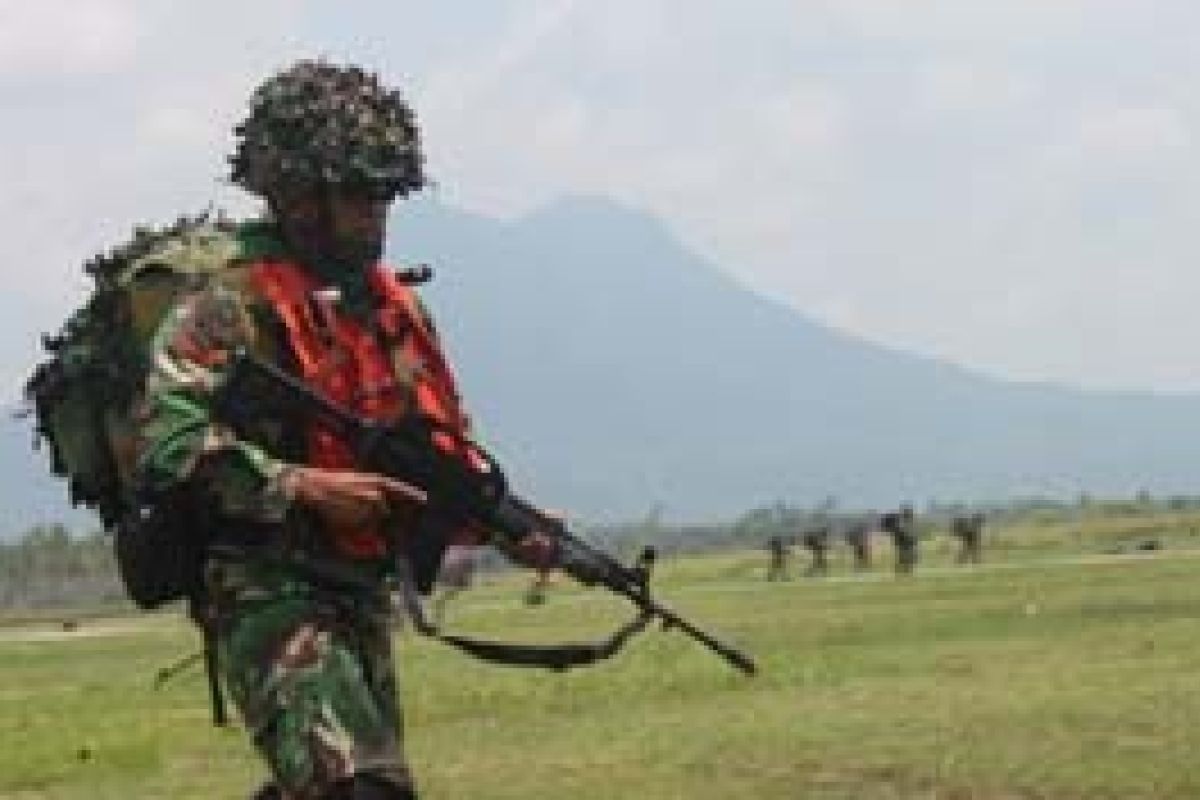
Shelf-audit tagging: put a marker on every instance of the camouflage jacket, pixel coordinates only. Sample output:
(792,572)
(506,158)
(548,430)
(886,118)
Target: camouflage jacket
(177,437)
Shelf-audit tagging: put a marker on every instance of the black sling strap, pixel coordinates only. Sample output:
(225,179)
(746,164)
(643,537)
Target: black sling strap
(558,657)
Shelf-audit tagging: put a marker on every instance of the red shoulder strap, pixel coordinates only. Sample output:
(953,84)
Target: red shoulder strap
(285,287)
(401,298)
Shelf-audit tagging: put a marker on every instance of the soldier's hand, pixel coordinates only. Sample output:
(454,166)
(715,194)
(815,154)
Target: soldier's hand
(344,498)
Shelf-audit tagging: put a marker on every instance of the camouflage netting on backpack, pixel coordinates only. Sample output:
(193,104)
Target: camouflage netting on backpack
(83,394)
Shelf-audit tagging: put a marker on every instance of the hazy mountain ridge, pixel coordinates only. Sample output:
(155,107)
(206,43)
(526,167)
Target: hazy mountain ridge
(613,371)
(685,389)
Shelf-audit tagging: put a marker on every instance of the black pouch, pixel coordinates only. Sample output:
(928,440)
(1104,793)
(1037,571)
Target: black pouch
(160,549)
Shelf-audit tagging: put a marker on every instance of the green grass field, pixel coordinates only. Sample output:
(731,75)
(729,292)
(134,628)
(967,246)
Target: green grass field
(1053,671)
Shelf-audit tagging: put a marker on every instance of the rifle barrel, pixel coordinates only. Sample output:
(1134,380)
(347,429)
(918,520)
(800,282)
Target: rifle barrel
(728,652)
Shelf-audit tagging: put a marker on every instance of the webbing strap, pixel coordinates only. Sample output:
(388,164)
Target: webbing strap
(207,653)
(558,657)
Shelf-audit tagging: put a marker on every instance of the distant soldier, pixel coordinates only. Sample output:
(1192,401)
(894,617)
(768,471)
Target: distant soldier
(901,525)
(539,588)
(646,560)
(535,595)
(968,530)
(456,575)
(858,536)
(779,551)
(817,540)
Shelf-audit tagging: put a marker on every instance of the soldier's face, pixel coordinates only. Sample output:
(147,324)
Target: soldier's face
(358,216)
(344,226)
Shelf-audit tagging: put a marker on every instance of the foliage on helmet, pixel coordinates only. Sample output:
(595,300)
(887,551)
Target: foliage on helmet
(317,123)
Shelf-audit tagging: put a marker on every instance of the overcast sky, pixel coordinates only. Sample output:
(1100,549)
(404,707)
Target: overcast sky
(1008,184)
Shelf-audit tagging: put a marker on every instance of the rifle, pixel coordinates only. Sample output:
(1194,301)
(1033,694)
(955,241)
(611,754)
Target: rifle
(463,484)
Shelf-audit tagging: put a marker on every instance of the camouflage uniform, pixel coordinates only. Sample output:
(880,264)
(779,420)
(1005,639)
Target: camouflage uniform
(968,529)
(312,673)
(858,536)
(817,540)
(307,661)
(777,547)
(535,594)
(901,526)
(309,668)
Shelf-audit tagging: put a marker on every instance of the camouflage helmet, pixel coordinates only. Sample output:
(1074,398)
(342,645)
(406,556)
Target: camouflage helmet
(318,123)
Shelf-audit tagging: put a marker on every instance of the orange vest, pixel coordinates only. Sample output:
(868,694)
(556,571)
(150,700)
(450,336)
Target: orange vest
(380,369)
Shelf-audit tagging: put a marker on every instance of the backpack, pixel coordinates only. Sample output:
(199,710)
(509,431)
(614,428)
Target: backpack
(84,392)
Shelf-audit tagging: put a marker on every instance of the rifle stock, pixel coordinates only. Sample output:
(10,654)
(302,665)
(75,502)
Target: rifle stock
(464,482)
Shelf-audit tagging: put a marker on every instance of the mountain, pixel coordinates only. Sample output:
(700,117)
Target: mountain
(613,372)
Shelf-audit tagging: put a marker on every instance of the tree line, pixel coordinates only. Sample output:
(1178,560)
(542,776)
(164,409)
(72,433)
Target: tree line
(49,567)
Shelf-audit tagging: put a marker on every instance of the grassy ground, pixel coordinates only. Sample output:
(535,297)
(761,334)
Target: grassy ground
(1057,670)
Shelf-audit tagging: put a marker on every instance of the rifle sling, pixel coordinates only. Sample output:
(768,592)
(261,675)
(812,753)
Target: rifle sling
(557,657)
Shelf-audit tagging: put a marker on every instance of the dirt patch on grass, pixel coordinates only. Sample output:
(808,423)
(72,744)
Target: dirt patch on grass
(68,629)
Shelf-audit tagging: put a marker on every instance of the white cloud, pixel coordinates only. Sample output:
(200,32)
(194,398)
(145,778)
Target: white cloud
(1132,134)
(117,113)
(987,22)
(66,36)
(957,85)
(802,118)
(457,88)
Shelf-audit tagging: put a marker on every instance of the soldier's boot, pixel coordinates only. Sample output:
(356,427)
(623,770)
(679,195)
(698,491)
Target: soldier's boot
(268,791)
(369,787)
(361,787)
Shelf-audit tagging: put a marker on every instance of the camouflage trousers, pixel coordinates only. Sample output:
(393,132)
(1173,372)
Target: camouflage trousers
(312,675)
(906,555)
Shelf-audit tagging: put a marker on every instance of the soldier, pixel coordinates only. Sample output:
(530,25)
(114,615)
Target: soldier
(647,558)
(307,661)
(779,552)
(968,530)
(456,575)
(901,526)
(858,536)
(817,540)
(539,587)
